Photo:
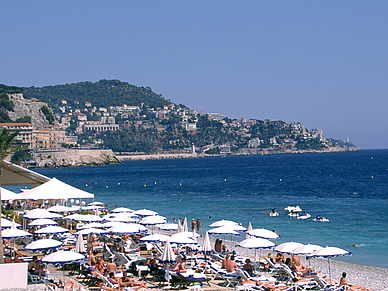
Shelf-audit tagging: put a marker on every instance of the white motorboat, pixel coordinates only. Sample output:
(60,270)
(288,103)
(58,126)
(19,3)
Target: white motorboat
(304,216)
(290,209)
(273,214)
(321,219)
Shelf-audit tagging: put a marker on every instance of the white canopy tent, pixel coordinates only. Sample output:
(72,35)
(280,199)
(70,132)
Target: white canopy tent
(12,175)
(9,195)
(55,189)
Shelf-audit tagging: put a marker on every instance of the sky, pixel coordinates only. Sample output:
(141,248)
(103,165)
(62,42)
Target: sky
(321,63)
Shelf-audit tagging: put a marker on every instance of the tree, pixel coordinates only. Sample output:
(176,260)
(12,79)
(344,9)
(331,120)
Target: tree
(6,140)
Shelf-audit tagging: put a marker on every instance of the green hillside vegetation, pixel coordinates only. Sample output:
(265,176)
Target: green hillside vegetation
(5,103)
(103,93)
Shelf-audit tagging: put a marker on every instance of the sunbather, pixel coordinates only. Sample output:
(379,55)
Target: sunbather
(131,282)
(34,267)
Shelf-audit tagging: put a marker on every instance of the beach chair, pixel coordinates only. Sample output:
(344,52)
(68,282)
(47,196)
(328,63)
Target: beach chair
(182,279)
(245,276)
(323,285)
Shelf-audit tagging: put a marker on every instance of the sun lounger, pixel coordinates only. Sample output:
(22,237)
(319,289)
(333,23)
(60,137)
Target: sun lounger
(245,276)
(182,279)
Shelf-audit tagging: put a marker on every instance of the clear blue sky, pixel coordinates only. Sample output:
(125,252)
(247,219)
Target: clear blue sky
(322,63)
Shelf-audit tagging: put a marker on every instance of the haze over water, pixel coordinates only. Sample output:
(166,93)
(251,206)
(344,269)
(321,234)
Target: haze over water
(348,188)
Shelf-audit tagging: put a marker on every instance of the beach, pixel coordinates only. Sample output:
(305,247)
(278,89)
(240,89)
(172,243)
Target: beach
(369,277)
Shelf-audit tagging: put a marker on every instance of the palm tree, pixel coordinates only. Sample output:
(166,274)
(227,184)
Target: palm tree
(6,140)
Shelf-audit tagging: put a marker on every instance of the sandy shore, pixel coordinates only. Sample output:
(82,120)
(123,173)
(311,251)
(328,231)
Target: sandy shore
(369,277)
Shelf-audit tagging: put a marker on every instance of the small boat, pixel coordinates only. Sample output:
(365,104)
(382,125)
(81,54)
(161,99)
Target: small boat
(293,209)
(304,216)
(321,219)
(273,213)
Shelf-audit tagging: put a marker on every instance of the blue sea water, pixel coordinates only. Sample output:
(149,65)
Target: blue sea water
(348,188)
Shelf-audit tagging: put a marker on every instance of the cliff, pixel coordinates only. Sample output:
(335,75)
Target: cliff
(74,158)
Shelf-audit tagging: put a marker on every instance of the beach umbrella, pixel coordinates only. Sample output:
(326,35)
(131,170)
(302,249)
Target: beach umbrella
(92,230)
(52,229)
(169,227)
(248,229)
(93,208)
(130,228)
(90,218)
(224,230)
(237,227)
(122,210)
(41,213)
(61,209)
(155,238)
(329,252)
(306,250)
(43,244)
(256,243)
(180,228)
(287,247)
(111,224)
(62,258)
(96,203)
(92,225)
(184,225)
(223,222)
(181,238)
(14,233)
(72,217)
(145,212)
(5,223)
(206,248)
(9,195)
(168,257)
(80,246)
(122,217)
(263,233)
(152,220)
(41,222)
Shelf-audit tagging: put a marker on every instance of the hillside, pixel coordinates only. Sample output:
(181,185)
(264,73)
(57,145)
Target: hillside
(126,118)
(103,93)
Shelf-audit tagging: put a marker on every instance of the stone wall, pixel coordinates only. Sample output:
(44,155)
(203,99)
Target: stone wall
(74,157)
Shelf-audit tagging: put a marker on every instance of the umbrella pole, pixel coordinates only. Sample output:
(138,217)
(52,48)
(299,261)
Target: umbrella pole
(328,259)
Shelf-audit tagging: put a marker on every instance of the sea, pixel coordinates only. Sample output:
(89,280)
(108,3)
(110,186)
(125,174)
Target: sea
(349,188)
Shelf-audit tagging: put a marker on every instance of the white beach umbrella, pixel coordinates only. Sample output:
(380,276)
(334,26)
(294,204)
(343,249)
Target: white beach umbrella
(237,227)
(130,228)
(90,218)
(330,252)
(41,222)
(74,217)
(223,222)
(169,227)
(43,244)
(93,208)
(206,247)
(153,220)
(168,257)
(122,217)
(96,203)
(5,223)
(306,249)
(92,225)
(182,239)
(41,213)
(184,225)
(263,233)
(122,210)
(145,212)
(256,244)
(155,238)
(9,195)
(224,230)
(92,230)
(63,257)
(248,229)
(14,233)
(80,246)
(287,247)
(180,228)
(52,229)
(111,224)
(61,209)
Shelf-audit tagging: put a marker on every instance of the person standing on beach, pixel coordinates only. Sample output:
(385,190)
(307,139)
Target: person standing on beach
(192,223)
(198,224)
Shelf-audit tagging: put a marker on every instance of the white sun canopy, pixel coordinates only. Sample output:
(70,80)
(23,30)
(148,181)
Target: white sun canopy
(12,174)
(9,195)
(55,189)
